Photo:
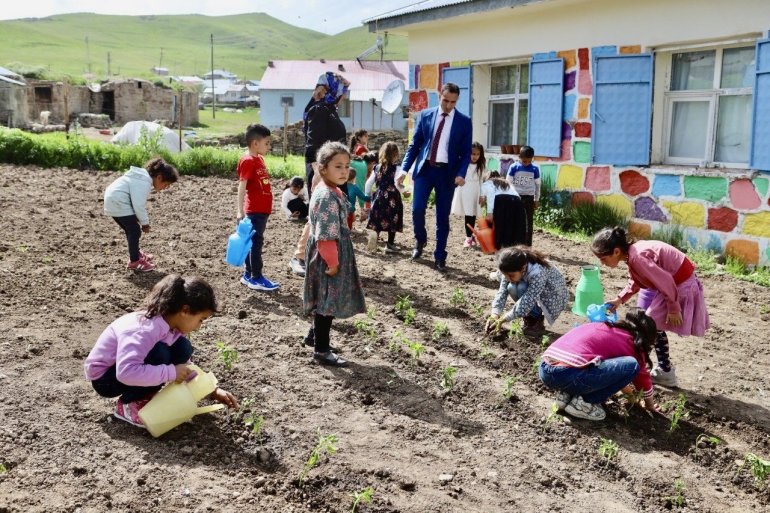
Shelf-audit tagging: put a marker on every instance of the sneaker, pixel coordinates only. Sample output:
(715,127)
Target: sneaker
(468,242)
(142,264)
(248,281)
(495,276)
(263,283)
(371,243)
(562,399)
(391,248)
(129,412)
(577,407)
(330,359)
(661,377)
(297,266)
(146,256)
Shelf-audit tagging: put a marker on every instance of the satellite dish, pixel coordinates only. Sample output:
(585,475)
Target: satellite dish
(391,98)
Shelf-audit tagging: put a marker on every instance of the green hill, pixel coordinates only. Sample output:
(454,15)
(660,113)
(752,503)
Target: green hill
(74,43)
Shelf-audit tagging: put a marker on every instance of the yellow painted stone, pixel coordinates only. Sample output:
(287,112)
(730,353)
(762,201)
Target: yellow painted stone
(617,201)
(570,177)
(570,58)
(429,77)
(757,224)
(584,105)
(687,213)
(630,49)
(745,250)
(640,230)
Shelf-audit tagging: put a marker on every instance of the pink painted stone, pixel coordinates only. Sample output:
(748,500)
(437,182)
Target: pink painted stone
(566,150)
(585,86)
(582,129)
(582,197)
(633,183)
(584,59)
(598,178)
(743,195)
(722,219)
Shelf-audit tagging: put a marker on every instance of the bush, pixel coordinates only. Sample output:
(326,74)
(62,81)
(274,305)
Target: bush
(672,234)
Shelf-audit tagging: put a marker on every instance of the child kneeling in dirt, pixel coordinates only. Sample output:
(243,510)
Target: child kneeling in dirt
(141,351)
(590,363)
(535,285)
(125,200)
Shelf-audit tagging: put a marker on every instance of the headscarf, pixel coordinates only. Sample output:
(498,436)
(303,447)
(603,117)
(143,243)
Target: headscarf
(334,86)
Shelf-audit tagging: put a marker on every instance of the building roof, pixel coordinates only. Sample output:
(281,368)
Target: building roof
(10,80)
(303,75)
(433,10)
(5,72)
(222,73)
(425,5)
(188,79)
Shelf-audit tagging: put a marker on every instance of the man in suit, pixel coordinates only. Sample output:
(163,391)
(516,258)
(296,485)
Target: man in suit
(440,151)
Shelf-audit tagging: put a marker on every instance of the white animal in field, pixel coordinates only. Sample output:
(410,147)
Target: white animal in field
(44,115)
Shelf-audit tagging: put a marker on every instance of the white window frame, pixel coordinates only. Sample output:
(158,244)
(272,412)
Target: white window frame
(514,98)
(712,96)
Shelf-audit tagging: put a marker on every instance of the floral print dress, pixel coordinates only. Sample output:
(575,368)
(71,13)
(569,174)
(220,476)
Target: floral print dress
(387,213)
(340,295)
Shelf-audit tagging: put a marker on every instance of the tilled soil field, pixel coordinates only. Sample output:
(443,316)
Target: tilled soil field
(423,448)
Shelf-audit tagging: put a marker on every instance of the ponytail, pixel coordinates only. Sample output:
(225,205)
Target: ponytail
(642,328)
(173,292)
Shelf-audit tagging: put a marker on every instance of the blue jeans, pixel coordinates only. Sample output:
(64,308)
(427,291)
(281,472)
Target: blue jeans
(254,260)
(438,179)
(516,290)
(161,354)
(595,383)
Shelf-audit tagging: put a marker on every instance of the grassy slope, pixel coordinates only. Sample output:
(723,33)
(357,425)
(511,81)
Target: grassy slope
(243,43)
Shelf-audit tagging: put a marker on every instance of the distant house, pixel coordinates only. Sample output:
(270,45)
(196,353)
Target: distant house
(220,88)
(12,99)
(658,108)
(220,74)
(292,83)
(161,72)
(188,80)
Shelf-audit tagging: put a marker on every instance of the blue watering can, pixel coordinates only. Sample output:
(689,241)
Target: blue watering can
(599,313)
(239,243)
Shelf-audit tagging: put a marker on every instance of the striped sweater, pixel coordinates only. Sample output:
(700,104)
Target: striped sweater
(595,341)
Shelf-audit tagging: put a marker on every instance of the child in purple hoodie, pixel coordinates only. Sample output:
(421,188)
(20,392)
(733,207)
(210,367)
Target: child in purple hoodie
(141,351)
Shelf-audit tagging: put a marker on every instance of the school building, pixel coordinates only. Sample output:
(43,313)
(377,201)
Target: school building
(659,108)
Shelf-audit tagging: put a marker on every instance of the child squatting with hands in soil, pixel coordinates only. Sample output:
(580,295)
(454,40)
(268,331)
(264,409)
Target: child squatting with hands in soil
(141,351)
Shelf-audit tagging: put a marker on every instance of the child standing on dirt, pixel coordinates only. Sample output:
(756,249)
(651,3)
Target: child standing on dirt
(466,199)
(525,178)
(141,351)
(294,200)
(387,212)
(125,201)
(332,284)
(537,288)
(591,362)
(255,200)
(354,193)
(674,296)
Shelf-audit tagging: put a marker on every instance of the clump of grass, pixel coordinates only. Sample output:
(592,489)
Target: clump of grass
(759,275)
(326,445)
(365,496)
(440,330)
(228,355)
(672,234)
(448,378)
(705,260)
(608,450)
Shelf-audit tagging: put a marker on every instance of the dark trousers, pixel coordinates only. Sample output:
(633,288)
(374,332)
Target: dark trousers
(439,179)
(510,221)
(529,207)
(130,225)
(254,260)
(162,354)
(297,205)
(470,222)
(320,332)
(309,177)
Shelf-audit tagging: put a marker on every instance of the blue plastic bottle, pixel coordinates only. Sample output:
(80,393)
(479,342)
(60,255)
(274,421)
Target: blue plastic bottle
(239,243)
(599,313)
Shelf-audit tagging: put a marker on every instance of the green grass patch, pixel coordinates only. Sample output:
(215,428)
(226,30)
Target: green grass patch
(224,123)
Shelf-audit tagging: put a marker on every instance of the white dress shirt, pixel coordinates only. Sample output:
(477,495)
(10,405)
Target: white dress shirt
(442,153)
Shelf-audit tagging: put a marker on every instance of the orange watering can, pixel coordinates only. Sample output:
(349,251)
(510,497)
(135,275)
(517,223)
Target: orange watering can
(485,234)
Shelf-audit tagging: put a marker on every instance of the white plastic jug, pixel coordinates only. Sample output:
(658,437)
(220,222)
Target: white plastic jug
(178,402)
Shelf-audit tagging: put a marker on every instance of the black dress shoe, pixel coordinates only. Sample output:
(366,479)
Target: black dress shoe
(440,266)
(417,251)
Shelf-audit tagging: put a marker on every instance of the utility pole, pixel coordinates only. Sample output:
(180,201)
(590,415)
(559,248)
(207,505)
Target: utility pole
(88,55)
(213,92)
(160,65)
(109,64)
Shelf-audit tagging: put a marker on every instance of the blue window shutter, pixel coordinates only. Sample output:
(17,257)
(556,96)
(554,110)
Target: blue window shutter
(546,95)
(621,113)
(760,123)
(461,77)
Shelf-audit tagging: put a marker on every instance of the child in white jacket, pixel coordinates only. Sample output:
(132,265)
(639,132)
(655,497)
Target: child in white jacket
(125,201)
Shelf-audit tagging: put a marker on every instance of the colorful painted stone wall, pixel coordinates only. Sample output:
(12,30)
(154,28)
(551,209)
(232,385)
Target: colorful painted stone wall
(720,210)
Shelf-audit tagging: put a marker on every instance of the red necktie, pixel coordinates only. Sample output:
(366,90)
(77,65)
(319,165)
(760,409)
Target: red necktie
(436,139)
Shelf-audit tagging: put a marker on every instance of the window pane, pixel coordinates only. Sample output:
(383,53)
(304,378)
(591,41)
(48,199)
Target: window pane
(522,132)
(693,70)
(502,124)
(738,67)
(504,80)
(733,126)
(524,81)
(689,125)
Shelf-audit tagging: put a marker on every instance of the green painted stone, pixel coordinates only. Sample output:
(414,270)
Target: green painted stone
(581,152)
(761,185)
(705,187)
(549,172)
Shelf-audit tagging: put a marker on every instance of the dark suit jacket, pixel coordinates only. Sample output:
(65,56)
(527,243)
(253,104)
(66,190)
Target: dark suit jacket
(459,147)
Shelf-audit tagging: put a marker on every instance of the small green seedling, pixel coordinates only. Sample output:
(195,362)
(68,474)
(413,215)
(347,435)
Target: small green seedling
(365,496)
(506,391)
(608,450)
(370,312)
(759,468)
(246,405)
(545,341)
(478,310)
(516,330)
(227,354)
(706,440)
(255,422)
(764,309)
(486,352)
(409,316)
(448,378)
(680,412)
(3,469)
(365,326)
(417,349)
(458,298)
(403,303)
(22,249)
(397,341)
(497,324)
(536,365)
(326,445)
(440,330)
(679,488)
(552,417)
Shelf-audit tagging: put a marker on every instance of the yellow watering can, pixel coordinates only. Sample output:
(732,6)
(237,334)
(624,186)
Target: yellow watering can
(178,402)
